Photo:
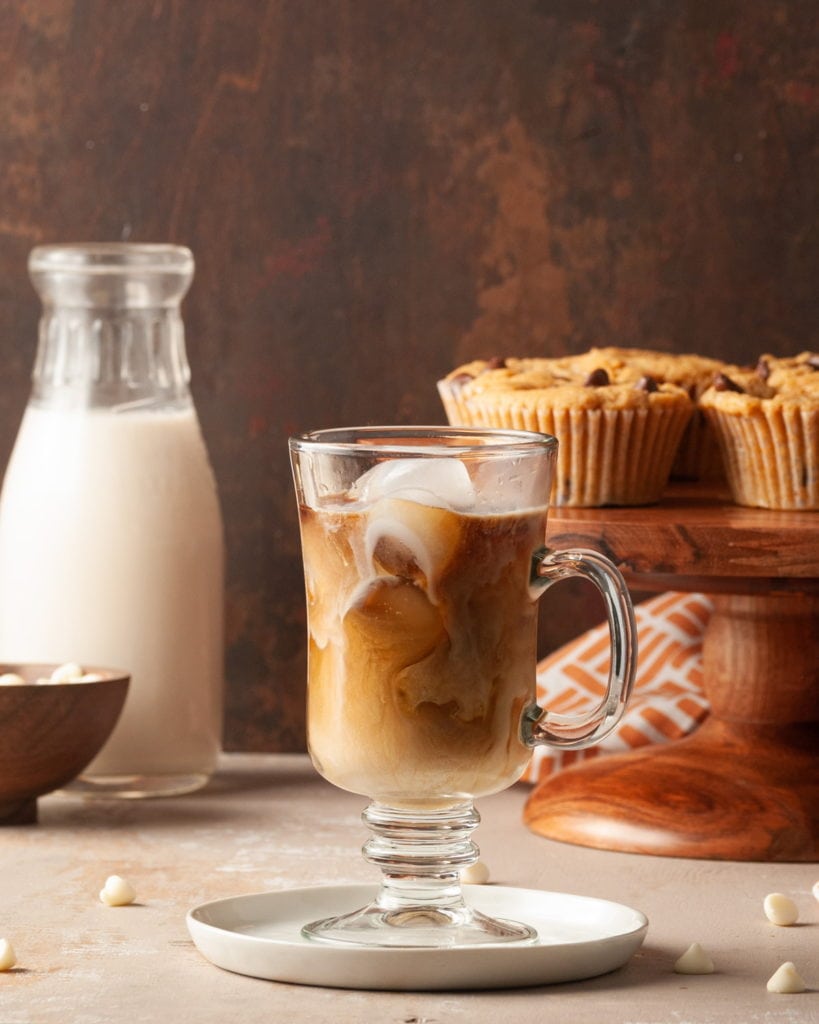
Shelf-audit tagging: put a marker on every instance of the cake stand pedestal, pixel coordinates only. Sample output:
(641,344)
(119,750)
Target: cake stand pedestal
(745,785)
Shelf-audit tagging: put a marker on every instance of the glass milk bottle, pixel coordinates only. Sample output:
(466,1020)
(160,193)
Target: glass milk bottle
(111,543)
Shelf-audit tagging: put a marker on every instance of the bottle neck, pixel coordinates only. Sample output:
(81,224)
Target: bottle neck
(111,358)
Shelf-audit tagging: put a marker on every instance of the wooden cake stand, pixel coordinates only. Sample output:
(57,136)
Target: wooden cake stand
(745,785)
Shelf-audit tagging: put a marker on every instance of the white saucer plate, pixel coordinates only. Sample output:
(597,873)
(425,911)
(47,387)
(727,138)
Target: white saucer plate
(259,935)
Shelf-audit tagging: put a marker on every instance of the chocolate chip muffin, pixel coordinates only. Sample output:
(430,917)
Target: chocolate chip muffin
(698,454)
(618,428)
(767,423)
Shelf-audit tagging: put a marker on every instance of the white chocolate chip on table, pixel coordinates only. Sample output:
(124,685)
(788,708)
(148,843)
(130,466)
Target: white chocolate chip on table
(694,961)
(11,679)
(117,892)
(815,890)
(475,874)
(780,909)
(7,955)
(786,980)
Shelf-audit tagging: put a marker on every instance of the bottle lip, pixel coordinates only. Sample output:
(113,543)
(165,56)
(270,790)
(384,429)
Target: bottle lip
(111,258)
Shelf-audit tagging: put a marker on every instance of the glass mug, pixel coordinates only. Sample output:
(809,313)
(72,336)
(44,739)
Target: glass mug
(424,559)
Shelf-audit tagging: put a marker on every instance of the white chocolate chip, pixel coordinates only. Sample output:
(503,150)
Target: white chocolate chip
(815,890)
(780,909)
(786,980)
(67,673)
(11,679)
(89,677)
(7,955)
(475,874)
(694,961)
(117,892)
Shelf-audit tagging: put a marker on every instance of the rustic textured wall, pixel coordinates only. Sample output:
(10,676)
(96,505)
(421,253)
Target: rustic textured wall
(376,190)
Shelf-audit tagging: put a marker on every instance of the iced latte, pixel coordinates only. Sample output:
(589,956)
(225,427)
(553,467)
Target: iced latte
(422,634)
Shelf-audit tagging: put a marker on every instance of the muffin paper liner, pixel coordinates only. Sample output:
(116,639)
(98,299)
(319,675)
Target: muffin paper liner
(771,456)
(605,456)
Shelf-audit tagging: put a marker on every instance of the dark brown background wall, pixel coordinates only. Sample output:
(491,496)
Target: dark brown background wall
(376,190)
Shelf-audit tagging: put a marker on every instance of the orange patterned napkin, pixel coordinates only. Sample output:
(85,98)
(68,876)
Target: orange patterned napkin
(667,702)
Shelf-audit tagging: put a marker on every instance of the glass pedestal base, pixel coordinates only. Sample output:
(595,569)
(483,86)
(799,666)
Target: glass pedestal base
(418,927)
(420,903)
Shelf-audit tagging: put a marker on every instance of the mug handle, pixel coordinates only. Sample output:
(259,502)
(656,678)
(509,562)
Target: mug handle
(583,730)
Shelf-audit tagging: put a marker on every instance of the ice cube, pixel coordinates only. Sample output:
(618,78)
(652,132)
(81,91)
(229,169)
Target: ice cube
(392,620)
(438,483)
(410,540)
(512,486)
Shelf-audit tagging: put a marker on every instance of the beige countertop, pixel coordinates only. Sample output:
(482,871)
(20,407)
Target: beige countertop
(269,822)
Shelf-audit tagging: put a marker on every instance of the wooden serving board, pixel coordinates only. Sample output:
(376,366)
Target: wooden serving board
(696,539)
(745,786)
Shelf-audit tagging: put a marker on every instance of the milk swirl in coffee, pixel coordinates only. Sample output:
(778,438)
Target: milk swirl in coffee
(422,630)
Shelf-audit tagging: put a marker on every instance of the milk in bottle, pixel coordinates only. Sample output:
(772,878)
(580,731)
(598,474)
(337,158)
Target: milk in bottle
(111,547)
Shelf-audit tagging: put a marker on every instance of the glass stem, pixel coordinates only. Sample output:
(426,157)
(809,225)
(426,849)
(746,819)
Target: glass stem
(420,853)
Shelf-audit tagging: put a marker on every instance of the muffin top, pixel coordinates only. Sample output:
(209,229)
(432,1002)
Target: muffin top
(773,382)
(693,372)
(597,379)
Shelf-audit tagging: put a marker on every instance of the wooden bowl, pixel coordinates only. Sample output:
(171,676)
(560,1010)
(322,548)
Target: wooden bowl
(49,732)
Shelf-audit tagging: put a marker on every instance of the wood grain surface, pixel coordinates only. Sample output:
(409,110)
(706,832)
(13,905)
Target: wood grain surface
(696,539)
(49,733)
(728,792)
(745,785)
(376,191)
